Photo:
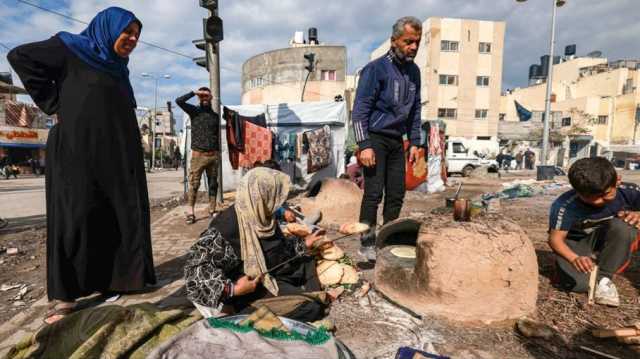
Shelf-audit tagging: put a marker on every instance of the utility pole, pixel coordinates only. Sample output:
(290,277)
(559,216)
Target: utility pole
(213,34)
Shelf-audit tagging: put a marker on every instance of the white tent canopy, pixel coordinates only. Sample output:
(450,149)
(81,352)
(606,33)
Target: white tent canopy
(282,119)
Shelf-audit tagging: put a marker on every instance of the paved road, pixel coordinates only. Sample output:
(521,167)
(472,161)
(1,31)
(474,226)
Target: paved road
(22,200)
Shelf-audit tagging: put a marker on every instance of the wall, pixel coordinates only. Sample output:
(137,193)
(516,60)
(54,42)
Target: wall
(283,74)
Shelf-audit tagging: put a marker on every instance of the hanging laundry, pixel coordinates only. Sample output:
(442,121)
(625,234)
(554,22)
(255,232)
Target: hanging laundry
(319,155)
(293,145)
(257,145)
(299,145)
(236,135)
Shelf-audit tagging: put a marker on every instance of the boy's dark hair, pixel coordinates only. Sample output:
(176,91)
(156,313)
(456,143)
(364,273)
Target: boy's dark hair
(592,176)
(204,88)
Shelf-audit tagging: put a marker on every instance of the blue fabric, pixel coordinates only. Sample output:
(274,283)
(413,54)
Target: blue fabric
(388,101)
(523,113)
(94,45)
(569,213)
(410,353)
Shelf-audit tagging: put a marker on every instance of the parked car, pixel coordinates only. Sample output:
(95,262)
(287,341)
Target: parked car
(461,161)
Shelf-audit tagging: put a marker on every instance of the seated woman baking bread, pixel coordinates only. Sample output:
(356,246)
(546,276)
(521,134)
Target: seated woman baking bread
(229,266)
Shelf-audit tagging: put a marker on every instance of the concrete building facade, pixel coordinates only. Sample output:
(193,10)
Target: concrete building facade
(278,76)
(461,69)
(595,107)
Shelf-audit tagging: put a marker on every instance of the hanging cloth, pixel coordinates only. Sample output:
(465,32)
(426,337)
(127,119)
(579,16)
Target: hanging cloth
(319,155)
(257,145)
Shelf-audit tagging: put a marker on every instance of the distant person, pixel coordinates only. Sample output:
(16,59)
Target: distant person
(519,160)
(529,159)
(599,218)
(34,166)
(387,107)
(205,151)
(98,232)
(177,158)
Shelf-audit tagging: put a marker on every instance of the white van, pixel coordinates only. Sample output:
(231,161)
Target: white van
(461,161)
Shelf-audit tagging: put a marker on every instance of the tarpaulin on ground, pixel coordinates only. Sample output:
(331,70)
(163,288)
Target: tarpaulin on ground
(105,332)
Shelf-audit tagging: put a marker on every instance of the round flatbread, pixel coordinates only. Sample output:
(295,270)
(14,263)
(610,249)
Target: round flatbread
(332,253)
(353,228)
(350,275)
(404,252)
(298,229)
(329,272)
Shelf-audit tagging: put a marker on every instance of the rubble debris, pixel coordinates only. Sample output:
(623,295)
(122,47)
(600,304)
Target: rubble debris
(19,303)
(494,260)
(23,290)
(12,251)
(598,353)
(6,287)
(533,329)
(364,289)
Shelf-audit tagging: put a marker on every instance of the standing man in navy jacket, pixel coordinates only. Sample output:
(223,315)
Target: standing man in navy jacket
(387,107)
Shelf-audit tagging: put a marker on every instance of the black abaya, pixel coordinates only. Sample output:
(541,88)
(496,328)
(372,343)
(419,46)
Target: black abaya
(98,230)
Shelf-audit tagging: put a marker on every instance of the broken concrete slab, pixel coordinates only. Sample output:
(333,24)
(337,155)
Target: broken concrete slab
(13,251)
(483,271)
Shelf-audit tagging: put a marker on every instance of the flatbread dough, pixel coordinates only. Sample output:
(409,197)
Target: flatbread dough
(332,253)
(404,252)
(329,272)
(350,276)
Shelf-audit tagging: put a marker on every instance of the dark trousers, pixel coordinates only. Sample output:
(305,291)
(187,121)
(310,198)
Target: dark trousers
(385,178)
(613,244)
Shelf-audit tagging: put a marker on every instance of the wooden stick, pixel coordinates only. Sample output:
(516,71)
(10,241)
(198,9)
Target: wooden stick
(592,284)
(621,332)
(593,351)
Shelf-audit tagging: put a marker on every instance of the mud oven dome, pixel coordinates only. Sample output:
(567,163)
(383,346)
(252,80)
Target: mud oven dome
(475,271)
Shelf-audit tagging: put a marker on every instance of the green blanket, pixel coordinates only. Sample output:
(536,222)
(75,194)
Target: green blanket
(105,332)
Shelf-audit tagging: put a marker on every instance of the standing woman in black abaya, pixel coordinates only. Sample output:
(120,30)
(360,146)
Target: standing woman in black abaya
(98,234)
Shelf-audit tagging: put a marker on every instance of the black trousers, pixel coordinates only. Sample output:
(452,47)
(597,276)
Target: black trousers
(613,243)
(385,178)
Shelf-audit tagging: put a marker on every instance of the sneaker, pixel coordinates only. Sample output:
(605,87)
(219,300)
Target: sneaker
(368,252)
(606,293)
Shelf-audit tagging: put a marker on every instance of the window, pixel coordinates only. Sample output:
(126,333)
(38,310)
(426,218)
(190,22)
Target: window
(502,116)
(480,114)
(482,81)
(483,138)
(566,121)
(459,148)
(602,120)
(446,45)
(447,112)
(256,82)
(328,75)
(484,47)
(449,80)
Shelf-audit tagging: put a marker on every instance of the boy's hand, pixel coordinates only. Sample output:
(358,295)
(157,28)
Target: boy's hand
(633,218)
(583,264)
(368,157)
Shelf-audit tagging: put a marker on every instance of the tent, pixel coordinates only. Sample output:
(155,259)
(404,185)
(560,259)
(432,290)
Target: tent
(282,119)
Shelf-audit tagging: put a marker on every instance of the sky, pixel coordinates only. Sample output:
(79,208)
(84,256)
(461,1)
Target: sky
(255,26)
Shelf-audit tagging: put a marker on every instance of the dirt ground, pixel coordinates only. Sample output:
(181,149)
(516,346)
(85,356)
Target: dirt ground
(365,324)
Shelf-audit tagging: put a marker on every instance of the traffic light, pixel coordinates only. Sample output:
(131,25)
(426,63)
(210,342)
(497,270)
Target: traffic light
(212,31)
(311,58)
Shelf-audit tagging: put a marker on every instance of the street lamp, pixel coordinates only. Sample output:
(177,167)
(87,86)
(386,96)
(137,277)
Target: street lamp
(155,117)
(547,108)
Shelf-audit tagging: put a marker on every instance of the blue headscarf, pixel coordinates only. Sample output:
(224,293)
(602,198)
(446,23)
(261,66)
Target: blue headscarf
(94,45)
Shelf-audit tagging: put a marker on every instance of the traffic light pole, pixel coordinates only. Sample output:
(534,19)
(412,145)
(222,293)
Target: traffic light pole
(213,53)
